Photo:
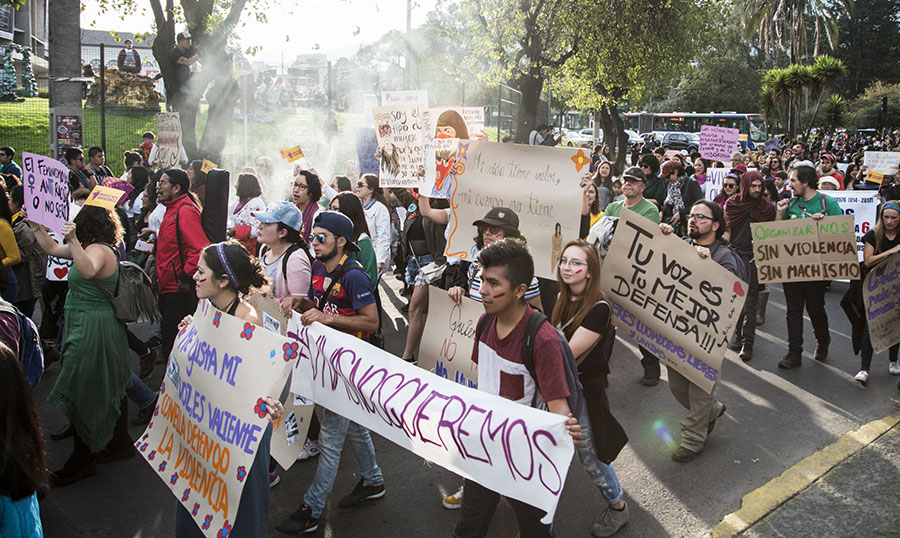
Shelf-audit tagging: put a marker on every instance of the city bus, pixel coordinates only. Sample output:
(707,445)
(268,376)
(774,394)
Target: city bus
(751,126)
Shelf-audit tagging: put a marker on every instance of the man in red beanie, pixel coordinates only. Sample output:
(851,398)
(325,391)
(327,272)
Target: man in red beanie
(827,164)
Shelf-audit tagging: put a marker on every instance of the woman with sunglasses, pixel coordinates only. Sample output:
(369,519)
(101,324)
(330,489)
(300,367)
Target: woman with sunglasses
(378,217)
(584,316)
(729,188)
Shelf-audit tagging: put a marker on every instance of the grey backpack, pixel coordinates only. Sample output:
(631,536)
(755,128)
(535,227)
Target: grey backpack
(134,293)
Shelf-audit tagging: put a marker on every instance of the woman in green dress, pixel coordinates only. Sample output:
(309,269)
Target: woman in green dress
(90,389)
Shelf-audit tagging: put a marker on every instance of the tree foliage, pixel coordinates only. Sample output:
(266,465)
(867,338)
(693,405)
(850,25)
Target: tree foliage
(788,26)
(870,45)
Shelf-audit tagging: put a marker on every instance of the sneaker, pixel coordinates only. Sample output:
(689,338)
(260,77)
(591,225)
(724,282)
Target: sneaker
(609,521)
(712,423)
(822,350)
(684,455)
(735,344)
(147,362)
(310,450)
(862,377)
(894,368)
(651,377)
(362,493)
(790,361)
(453,502)
(300,522)
(274,479)
(746,353)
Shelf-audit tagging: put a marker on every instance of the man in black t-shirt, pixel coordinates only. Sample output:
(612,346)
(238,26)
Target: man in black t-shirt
(184,55)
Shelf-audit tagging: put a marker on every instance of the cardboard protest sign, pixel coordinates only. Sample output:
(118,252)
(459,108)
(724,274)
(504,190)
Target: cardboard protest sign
(289,431)
(106,197)
(539,183)
(168,144)
(515,450)
(863,206)
(715,177)
(682,308)
(366,146)
(718,143)
(881,297)
(452,122)
(211,415)
(448,338)
(802,250)
(441,160)
(884,163)
(46,185)
(269,311)
(405,97)
(120,185)
(400,131)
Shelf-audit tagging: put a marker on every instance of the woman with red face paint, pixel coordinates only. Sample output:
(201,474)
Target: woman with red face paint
(584,316)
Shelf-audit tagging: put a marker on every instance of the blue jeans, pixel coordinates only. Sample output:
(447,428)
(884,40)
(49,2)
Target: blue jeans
(334,430)
(12,286)
(139,393)
(414,265)
(603,475)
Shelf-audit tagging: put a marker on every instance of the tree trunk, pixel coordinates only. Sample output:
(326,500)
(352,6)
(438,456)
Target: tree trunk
(607,126)
(531,87)
(622,138)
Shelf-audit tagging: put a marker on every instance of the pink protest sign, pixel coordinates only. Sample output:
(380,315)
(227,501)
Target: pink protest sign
(718,143)
(46,184)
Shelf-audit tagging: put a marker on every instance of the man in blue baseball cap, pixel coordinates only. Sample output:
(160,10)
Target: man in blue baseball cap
(343,299)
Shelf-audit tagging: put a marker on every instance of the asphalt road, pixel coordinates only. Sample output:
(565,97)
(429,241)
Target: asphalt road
(775,418)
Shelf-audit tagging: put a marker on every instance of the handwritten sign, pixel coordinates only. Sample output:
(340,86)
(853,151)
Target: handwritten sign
(210,418)
(399,131)
(665,297)
(517,451)
(106,197)
(884,163)
(407,97)
(539,183)
(366,146)
(453,122)
(881,297)
(169,142)
(718,143)
(441,159)
(715,177)
(290,430)
(801,250)
(46,183)
(863,207)
(449,336)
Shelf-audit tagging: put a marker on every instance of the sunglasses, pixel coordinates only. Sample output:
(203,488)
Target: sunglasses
(318,238)
(730,185)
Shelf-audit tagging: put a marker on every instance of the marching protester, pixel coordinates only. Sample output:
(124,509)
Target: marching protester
(352,310)
(585,317)
(242,225)
(97,163)
(654,187)
(9,251)
(681,194)
(197,178)
(590,209)
(179,242)
(699,175)
(225,274)
(827,168)
(881,242)
(21,452)
(349,204)
(81,178)
(31,273)
(706,225)
(729,187)
(307,190)
(806,203)
(507,269)
(746,207)
(377,217)
(90,388)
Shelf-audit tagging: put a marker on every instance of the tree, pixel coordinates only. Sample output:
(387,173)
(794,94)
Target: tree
(869,45)
(835,112)
(785,25)
(825,72)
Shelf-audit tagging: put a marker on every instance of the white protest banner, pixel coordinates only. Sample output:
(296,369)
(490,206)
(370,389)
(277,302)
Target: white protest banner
(802,250)
(46,185)
(881,297)
(863,206)
(682,308)
(168,143)
(289,431)
(718,143)
(400,131)
(405,97)
(715,177)
(448,338)
(882,162)
(517,451)
(539,183)
(211,415)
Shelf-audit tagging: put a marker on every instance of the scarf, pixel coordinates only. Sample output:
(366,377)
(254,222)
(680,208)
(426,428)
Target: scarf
(308,214)
(742,206)
(673,197)
(700,178)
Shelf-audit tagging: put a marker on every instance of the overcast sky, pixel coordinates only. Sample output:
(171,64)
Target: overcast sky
(328,24)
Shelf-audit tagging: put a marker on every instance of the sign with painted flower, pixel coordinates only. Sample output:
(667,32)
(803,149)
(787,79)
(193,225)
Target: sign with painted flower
(211,413)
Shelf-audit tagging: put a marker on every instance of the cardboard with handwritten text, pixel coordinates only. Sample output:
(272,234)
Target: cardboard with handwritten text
(211,416)
(804,250)
(884,163)
(46,187)
(518,451)
(540,184)
(665,297)
(400,134)
(718,143)
(449,336)
(881,297)
(168,143)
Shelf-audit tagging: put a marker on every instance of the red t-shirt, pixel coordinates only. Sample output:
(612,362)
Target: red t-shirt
(500,368)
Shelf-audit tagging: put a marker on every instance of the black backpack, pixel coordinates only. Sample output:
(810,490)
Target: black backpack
(537,318)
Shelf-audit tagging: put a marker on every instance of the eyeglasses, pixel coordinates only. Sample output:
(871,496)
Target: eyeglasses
(730,185)
(318,238)
(301,186)
(574,264)
(699,217)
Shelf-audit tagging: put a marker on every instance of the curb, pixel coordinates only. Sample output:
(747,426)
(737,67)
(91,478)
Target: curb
(760,502)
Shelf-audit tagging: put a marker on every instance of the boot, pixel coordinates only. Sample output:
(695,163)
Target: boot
(761,307)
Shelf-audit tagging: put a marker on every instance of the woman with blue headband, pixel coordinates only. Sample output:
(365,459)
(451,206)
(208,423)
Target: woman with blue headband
(881,242)
(226,273)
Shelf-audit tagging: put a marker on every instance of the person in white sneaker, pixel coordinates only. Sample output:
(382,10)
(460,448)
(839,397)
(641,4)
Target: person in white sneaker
(881,242)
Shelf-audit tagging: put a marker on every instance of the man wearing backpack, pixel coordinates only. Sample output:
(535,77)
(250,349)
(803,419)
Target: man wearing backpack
(340,297)
(507,270)
(178,245)
(706,225)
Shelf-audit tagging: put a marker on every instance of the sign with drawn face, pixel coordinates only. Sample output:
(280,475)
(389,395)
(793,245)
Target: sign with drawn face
(399,131)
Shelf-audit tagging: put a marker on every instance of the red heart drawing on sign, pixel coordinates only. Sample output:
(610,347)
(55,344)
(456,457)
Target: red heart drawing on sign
(738,289)
(61,272)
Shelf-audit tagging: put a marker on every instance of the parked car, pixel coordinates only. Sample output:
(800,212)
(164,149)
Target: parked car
(633,137)
(581,139)
(679,141)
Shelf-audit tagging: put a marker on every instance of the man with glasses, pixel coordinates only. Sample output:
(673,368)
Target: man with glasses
(340,297)
(706,225)
(8,167)
(81,178)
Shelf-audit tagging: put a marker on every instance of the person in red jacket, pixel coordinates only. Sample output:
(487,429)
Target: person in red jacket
(178,245)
